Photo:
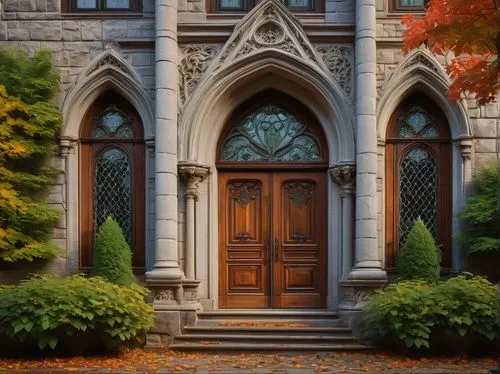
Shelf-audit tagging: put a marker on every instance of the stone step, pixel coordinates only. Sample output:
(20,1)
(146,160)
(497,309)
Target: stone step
(268,339)
(268,314)
(212,323)
(261,347)
(243,330)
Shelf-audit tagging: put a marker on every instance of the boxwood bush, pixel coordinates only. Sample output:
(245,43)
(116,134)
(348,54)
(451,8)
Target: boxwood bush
(112,254)
(419,257)
(421,315)
(48,310)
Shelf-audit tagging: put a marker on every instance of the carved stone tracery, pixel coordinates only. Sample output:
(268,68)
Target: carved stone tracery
(195,62)
(337,61)
(244,192)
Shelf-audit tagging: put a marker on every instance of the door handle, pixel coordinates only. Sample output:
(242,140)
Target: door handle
(276,250)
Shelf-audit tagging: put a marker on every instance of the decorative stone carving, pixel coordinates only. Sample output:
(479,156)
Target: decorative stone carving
(269,26)
(164,295)
(338,61)
(420,58)
(355,293)
(269,34)
(300,192)
(108,59)
(194,63)
(244,192)
(465,145)
(343,174)
(192,175)
(66,145)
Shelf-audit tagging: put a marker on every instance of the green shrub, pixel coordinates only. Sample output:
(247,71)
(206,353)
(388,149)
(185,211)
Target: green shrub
(112,255)
(419,258)
(49,308)
(411,311)
(467,305)
(481,218)
(403,310)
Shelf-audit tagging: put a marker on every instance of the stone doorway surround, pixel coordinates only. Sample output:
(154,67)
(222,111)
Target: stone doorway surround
(248,63)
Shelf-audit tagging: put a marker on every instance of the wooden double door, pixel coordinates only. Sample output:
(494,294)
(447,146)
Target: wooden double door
(272,239)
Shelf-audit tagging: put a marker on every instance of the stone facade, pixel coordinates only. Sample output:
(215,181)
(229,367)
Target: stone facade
(185,71)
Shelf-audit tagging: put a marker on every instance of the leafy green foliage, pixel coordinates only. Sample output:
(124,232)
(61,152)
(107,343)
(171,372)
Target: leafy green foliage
(481,218)
(419,258)
(29,124)
(467,304)
(48,308)
(403,309)
(112,254)
(412,310)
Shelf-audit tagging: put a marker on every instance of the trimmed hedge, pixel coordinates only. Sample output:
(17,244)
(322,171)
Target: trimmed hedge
(112,255)
(49,309)
(419,258)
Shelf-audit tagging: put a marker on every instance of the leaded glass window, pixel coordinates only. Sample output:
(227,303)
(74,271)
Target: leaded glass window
(417,124)
(113,190)
(417,192)
(270,133)
(412,3)
(112,124)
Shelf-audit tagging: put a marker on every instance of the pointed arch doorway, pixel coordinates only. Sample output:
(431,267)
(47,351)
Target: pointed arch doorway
(272,162)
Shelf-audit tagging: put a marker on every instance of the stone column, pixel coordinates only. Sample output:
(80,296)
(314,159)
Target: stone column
(192,175)
(344,175)
(166,266)
(368,264)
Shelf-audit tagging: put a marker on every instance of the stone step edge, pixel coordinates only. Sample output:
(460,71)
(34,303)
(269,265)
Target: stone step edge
(265,337)
(311,314)
(218,329)
(271,347)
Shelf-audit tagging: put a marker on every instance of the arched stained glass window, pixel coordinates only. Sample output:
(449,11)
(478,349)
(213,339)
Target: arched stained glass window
(418,175)
(112,175)
(417,192)
(269,134)
(112,124)
(113,190)
(417,124)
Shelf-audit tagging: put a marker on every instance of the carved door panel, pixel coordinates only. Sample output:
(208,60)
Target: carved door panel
(272,237)
(299,217)
(244,240)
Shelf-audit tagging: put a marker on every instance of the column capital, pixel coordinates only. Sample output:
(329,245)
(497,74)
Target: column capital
(465,145)
(192,174)
(344,175)
(67,145)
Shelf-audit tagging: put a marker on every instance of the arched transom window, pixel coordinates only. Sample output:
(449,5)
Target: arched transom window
(418,169)
(112,175)
(271,132)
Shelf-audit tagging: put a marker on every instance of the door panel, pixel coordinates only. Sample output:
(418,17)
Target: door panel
(299,229)
(243,222)
(272,240)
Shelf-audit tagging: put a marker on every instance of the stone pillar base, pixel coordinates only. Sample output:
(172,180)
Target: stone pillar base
(354,293)
(176,305)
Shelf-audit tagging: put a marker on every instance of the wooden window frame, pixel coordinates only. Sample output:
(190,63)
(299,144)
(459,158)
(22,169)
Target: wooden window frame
(91,149)
(68,7)
(395,6)
(440,149)
(213,6)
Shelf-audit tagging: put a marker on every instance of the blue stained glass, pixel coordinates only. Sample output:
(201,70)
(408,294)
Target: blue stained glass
(270,134)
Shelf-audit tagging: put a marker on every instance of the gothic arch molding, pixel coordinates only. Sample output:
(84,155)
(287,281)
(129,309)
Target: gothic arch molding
(420,71)
(107,72)
(216,97)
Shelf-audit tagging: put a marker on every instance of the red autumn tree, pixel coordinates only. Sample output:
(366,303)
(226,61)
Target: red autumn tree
(470,30)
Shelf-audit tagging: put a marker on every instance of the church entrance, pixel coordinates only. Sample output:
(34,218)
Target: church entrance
(272,207)
(273,239)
